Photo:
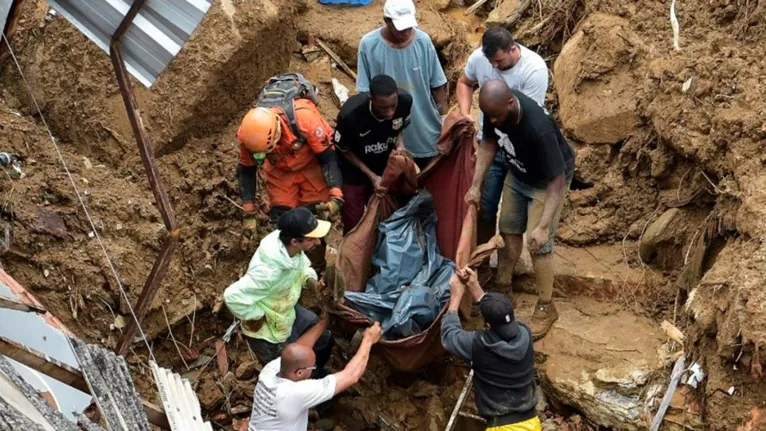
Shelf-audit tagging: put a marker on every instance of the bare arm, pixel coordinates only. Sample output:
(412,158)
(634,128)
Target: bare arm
(440,97)
(465,89)
(473,284)
(354,160)
(454,339)
(358,364)
(457,289)
(484,157)
(554,193)
(310,337)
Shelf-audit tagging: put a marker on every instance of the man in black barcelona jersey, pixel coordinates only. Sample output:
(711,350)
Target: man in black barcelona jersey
(368,129)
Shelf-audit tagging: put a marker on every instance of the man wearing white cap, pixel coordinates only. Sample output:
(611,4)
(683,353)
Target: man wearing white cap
(407,54)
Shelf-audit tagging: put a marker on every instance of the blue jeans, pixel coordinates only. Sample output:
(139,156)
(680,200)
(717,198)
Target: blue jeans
(493,189)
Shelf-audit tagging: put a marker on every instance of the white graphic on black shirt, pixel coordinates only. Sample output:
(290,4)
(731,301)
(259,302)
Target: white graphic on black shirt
(510,153)
(397,124)
(379,147)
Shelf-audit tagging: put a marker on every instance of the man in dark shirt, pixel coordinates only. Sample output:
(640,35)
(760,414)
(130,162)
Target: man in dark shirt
(501,357)
(541,166)
(369,128)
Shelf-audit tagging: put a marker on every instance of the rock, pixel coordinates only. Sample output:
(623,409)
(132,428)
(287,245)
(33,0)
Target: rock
(435,418)
(592,162)
(657,231)
(665,239)
(423,389)
(240,424)
(594,82)
(49,223)
(247,370)
(240,409)
(209,394)
(603,363)
(325,425)
(500,14)
(229,381)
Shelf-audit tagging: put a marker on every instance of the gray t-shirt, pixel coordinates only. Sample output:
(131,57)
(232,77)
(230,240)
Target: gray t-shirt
(416,69)
(529,76)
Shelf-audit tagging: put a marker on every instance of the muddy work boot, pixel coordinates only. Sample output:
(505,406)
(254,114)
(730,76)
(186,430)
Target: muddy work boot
(543,318)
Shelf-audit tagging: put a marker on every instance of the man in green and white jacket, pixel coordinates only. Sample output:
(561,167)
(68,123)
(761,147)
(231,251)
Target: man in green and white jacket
(266,297)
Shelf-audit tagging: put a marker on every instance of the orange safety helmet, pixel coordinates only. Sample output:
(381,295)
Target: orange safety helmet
(260,130)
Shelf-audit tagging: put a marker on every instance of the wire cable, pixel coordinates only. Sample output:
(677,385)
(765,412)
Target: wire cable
(79,198)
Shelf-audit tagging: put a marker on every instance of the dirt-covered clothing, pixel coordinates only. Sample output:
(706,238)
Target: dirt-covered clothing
(535,149)
(504,370)
(305,166)
(269,290)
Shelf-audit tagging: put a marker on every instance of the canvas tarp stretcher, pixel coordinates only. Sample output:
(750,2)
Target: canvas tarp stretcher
(411,285)
(449,177)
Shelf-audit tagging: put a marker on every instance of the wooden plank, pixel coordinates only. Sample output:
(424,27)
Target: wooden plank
(68,375)
(44,364)
(336,58)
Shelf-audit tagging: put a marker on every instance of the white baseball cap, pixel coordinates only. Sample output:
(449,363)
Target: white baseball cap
(401,12)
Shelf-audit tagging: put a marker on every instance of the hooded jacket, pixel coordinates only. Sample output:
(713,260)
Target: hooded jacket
(504,370)
(270,289)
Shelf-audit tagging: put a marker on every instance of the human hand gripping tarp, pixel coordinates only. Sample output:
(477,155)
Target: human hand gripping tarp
(447,180)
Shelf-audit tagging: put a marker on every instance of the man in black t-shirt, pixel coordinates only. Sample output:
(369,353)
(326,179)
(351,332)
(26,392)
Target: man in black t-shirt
(541,166)
(369,128)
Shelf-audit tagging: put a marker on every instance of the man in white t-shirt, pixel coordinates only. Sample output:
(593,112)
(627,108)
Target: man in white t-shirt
(500,57)
(285,391)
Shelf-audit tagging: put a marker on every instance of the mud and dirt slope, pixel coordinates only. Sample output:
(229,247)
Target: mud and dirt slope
(682,132)
(669,161)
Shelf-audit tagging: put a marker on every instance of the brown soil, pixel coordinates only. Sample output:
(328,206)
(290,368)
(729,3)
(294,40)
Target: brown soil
(644,146)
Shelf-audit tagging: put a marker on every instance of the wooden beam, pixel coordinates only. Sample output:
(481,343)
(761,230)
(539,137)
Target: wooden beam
(68,375)
(336,58)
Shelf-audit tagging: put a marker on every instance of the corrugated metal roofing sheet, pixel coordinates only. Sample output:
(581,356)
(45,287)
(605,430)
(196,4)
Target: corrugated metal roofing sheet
(154,38)
(109,380)
(22,407)
(180,401)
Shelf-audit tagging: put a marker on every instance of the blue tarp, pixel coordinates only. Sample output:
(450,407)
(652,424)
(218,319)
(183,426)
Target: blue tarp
(412,282)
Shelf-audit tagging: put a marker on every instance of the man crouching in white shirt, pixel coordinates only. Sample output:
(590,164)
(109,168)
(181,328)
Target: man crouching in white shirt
(285,391)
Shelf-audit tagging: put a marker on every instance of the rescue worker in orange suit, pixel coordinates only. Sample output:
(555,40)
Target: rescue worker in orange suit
(297,170)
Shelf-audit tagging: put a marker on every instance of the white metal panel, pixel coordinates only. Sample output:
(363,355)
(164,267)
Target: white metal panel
(5,9)
(179,401)
(154,38)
